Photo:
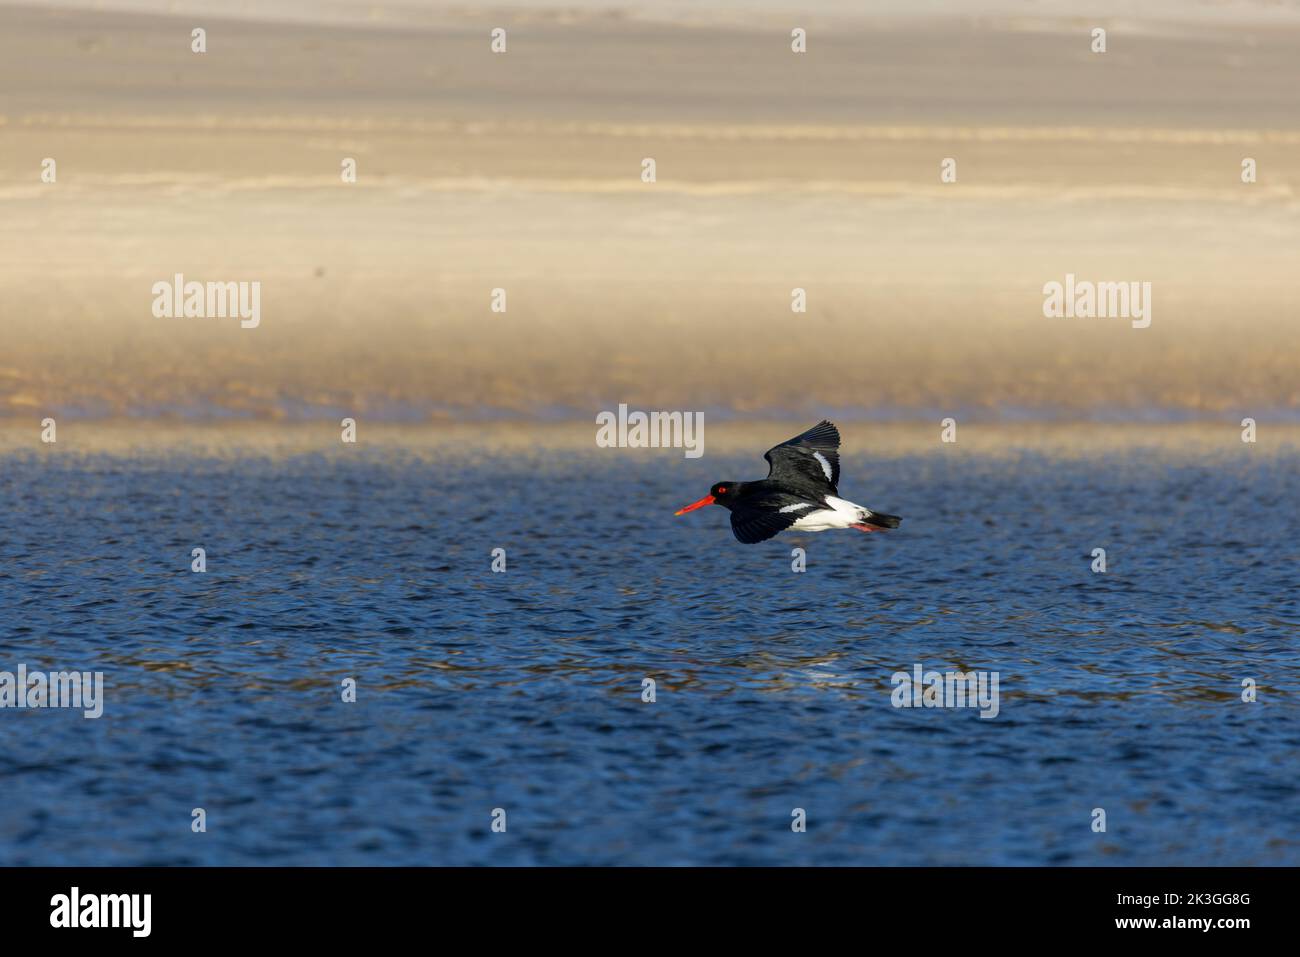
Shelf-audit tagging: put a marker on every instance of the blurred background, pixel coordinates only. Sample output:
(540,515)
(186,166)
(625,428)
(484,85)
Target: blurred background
(775,170)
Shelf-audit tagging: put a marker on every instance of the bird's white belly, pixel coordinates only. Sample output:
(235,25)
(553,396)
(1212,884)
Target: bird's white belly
(841,514)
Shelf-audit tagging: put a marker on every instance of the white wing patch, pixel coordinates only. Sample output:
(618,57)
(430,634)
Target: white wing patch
(798,505)
(826,465)
(840,514)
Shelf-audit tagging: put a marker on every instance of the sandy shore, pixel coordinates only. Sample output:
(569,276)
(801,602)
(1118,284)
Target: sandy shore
(522,172)
(561,444)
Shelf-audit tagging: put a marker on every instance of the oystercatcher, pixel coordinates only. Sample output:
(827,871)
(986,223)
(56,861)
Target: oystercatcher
(799,492)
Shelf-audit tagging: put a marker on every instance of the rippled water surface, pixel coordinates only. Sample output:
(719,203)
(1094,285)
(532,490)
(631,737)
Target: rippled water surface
(522,690)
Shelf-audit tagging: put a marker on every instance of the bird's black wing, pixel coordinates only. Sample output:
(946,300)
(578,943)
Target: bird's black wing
(752,525)
(808,460)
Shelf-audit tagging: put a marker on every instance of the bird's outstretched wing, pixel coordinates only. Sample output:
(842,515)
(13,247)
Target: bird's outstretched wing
(758,525)
(808,459)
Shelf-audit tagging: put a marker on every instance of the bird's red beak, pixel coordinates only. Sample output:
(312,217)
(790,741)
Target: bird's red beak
(707,500)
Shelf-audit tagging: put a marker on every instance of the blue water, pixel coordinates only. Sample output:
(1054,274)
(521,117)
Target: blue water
(522,690)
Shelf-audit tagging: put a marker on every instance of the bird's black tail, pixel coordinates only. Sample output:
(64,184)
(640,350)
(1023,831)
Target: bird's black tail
(881,520)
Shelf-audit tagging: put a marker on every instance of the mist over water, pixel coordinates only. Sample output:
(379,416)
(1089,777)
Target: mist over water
(522,690)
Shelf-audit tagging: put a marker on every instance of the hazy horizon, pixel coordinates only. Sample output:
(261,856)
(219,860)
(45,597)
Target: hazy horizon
(775,171)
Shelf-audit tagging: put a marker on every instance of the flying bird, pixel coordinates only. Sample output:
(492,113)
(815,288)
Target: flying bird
(800,492)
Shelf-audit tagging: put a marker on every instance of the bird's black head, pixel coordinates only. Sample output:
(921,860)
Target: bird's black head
(722,493)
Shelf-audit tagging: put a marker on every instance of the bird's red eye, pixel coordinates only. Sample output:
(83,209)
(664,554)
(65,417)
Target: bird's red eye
(722,490)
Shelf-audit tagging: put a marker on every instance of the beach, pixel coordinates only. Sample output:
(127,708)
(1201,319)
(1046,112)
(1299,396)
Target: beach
(522,171)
